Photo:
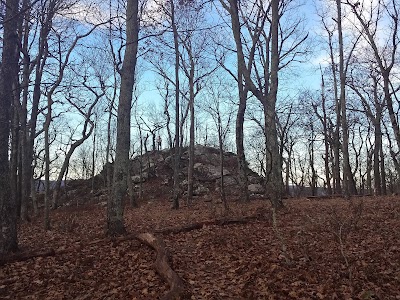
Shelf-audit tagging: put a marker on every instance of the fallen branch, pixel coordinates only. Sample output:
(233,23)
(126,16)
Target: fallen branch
(177,290)
(23,256)
(200,225)
(80,245)
(336,196)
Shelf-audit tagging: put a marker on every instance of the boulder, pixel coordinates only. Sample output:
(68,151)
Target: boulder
(137,179)
(256,188)
(254,179)
(200,190)
(209,172)
(230,180)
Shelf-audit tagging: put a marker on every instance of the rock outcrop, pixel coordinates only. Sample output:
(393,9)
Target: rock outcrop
(154,170)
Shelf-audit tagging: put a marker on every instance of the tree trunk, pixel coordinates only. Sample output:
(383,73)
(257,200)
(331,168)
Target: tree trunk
(34,197)
(15,154)
(326,139)
(85,135)
(336,134)
(221,161)
(312,163)
(64,167)
(115,221)
(175,204)
(376,167)
(241,158)
(383,171)
(47,162)
(386,63)
(93,157)
(26,160)
(191,133)
(275,182)
(342,101)
(8,80)
(266,96)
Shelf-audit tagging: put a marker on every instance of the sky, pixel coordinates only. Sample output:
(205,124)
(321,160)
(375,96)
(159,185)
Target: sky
(302,76)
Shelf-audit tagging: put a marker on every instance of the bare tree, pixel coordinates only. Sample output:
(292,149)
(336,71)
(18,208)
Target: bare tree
(370,20)
(45,12)
(115,221)
(218,105)
(325,121)
(365,83)
(259,58)
(348,180)
(87,130)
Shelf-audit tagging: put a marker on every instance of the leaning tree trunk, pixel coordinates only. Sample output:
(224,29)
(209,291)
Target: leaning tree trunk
(115,221)
(64,167)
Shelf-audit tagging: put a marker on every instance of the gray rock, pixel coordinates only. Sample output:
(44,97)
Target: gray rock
(229,181)
(254,179)
(200,190)
(256,188)
(137,179)
(211,172)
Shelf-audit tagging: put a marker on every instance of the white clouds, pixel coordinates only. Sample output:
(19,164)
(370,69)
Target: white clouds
(90,12)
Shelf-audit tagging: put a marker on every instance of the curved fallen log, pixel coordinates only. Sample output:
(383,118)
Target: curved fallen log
(177,290)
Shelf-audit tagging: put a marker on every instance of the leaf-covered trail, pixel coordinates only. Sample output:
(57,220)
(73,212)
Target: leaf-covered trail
(318,249)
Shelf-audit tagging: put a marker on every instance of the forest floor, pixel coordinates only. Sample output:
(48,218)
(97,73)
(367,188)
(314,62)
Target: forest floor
(313,249)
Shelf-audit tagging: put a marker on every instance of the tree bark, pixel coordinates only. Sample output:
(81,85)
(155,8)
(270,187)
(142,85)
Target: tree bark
(8,80)
(241,158)
(191,131)
(26,161)
(348,188)
(324,120)
(275,182)
(337,187)
(177,152)
(115,221)
(29,137)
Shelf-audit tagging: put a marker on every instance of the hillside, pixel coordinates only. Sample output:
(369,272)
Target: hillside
(316,249)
